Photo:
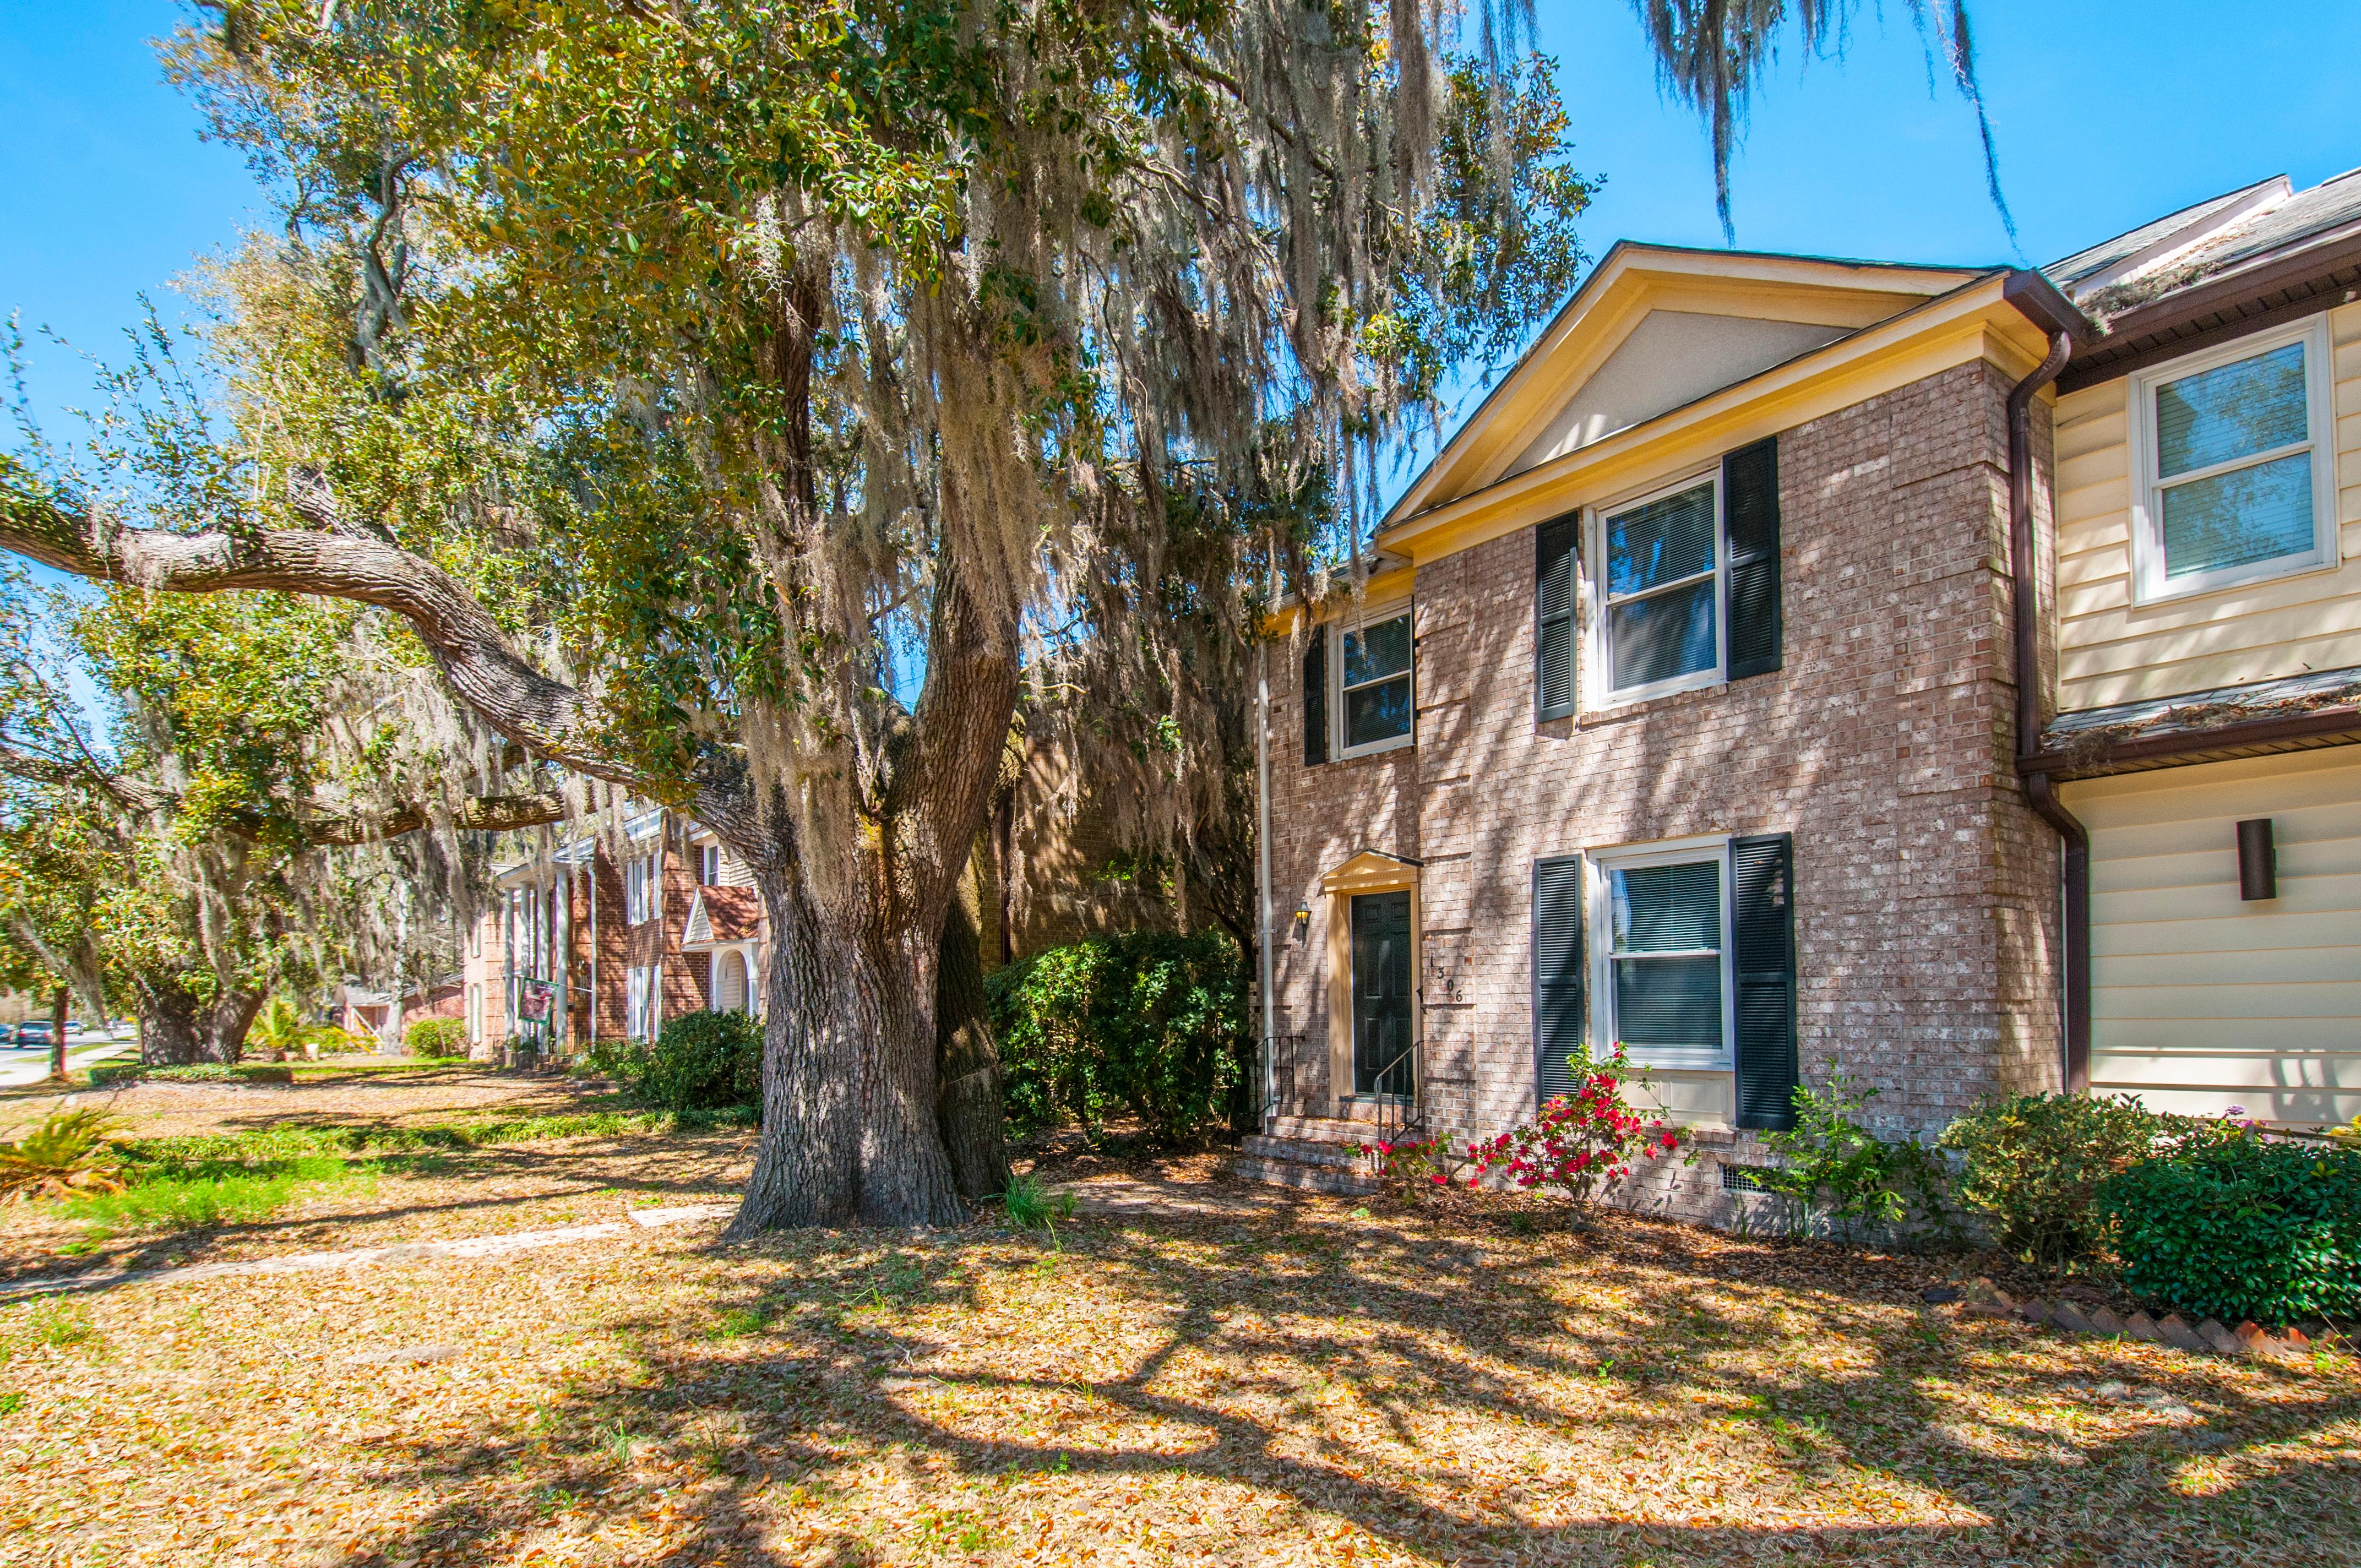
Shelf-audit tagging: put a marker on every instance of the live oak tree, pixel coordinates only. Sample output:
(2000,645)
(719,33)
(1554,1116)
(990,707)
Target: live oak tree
(736,399)
(210,826)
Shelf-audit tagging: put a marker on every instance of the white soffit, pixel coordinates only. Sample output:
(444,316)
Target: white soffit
(1671,359)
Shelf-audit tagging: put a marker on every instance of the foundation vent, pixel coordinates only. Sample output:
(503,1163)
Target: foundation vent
(1743,1179)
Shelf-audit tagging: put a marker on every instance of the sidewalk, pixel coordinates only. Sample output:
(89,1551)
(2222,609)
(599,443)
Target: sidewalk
(31,1064)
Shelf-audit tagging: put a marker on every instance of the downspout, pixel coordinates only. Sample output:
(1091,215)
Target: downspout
(2040,793)
(1262,872)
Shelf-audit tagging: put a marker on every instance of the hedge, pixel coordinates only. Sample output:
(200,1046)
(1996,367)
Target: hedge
(701,1061)
(2241,1228)
(1151,1023)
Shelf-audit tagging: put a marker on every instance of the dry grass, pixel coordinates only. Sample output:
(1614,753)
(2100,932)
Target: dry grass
(1270,1380)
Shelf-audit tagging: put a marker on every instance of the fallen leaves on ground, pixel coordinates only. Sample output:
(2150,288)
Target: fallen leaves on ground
(1258,1381)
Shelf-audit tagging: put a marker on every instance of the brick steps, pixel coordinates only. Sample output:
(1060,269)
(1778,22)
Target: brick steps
(1310,1153)
(1304,1151)
(1307,1177)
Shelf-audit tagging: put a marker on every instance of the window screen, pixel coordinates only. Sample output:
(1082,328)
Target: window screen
(1661,591)
(1666,959)
(1375,681)
(2233,465)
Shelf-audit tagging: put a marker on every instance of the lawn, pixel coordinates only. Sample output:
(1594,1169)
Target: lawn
(1257,1379)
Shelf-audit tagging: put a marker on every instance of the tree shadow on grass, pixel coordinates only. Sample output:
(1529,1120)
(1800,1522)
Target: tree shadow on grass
(1283,1377)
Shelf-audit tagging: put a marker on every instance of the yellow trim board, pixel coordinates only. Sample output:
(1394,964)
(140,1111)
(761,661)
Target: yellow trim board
(1977,324)
(1393,582)
(1634,280)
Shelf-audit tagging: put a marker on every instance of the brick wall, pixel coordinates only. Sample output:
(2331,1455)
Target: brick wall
(1926,924)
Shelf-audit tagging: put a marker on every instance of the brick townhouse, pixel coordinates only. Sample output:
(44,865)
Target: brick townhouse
(1679,708)
(606,933)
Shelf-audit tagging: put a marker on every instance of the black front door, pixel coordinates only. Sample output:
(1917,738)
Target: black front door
(1381,998)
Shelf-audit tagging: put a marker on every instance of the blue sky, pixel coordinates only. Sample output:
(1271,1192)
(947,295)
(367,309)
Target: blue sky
(2107,113)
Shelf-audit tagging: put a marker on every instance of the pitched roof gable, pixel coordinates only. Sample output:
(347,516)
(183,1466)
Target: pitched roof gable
(1653,328)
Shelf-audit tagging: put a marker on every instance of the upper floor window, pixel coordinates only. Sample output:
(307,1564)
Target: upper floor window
(642,888)
(2234,470)
(1659,593)
(1373,683)
(709,864)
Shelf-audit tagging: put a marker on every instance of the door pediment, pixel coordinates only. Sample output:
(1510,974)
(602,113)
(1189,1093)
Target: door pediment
(1371,871)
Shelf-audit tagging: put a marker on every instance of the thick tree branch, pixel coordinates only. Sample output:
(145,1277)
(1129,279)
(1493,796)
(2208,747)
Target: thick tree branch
(549,719)
(486,814)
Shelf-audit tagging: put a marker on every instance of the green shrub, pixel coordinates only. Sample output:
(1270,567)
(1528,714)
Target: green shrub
(701,1062)
(1151,1023)
(2234,1227)
(436,1037)
(1864,1184)
(2035,1163)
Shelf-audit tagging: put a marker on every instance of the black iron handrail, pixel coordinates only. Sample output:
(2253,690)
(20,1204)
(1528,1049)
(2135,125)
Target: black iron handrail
(1402,1116)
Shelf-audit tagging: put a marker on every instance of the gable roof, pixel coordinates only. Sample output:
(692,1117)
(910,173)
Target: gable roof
(719,916)
(1754,309)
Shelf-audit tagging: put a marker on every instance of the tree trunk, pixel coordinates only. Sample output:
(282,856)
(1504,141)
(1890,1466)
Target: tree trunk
(177,1029)
(58,1033)
(968,1062)
(849,1128)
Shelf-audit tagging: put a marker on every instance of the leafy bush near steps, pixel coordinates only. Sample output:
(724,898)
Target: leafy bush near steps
(701,1061)
(436,1037)
(2234,1227)
(2035,1165)
(1145,1021)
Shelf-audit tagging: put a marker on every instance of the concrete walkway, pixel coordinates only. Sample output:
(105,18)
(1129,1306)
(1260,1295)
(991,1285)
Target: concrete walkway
(466,1247)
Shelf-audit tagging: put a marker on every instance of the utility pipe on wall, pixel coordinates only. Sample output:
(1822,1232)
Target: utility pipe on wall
(1262,868)
(2040,791)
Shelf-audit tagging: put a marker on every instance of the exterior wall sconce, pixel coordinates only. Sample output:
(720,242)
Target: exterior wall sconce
(2258,860)
(1302,924)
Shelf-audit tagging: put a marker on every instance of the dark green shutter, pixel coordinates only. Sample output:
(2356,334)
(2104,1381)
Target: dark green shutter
(1750,518)
(1764,925)
(1559,1016)
(1554,559)
(1315,699)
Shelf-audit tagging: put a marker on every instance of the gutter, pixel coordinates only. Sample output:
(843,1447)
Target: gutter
(1262,878)
(2041,301)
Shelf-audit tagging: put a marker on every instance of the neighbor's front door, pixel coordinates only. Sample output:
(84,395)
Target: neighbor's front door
(1381,996)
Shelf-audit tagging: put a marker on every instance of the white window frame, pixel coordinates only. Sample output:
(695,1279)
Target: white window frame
(1374,614)
(709,864)
(1596,655)
(1596,864)
(2149,585)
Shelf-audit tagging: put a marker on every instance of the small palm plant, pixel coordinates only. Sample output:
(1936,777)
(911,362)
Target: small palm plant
(280,1030)
(71,1154)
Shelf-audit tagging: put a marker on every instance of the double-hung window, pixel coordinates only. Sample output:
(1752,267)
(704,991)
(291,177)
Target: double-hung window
(641,887)
(1373,683)
(2234,467)
(1658,622)
(709,864)
(1664,980)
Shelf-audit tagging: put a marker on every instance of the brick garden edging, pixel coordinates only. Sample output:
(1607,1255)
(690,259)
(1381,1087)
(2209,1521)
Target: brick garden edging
(1985,1300)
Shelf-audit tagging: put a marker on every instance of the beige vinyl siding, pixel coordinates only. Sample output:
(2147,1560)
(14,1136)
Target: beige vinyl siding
(2110,649)
(2201,1001)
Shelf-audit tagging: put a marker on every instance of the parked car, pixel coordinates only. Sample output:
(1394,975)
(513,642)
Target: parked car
(7,1034)
(33,1032)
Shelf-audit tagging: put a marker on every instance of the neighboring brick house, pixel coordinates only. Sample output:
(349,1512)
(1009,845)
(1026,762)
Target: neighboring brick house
(607,935)
(1680,707)
(1676,711)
